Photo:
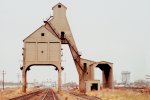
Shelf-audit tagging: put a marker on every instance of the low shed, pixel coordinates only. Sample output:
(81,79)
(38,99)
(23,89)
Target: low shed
(92,85)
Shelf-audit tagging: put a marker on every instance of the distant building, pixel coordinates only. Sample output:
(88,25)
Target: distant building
(125,77)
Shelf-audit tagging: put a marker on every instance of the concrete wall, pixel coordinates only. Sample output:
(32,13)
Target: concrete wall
(89,72)
(60,22)
(42,49)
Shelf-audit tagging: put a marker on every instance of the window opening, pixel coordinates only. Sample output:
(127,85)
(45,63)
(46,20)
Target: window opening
(94,87)
(62,35)
(59,6)
(42,34)
(85,66)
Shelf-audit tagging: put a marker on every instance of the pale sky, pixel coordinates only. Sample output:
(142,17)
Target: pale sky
(117,31)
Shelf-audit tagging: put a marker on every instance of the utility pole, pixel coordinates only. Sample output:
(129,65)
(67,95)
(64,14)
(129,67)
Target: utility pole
(3,78)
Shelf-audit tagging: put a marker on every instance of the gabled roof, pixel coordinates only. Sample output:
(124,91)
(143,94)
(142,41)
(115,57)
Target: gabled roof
(59,4)
(37,30)
(32,33)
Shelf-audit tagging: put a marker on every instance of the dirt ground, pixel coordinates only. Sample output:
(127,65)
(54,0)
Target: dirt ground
(104,94)
(9,93)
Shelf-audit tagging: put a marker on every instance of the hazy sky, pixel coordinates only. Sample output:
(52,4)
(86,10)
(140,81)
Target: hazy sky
(117,31)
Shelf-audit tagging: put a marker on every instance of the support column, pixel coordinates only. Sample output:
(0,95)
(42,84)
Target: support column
(81,84)
(59,80)
(110,79)
(82,79)
(24,84)
(104,79)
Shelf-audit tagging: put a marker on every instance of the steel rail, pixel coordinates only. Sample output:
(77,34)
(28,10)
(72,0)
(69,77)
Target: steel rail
(49,91)
(45,95)
(53,95)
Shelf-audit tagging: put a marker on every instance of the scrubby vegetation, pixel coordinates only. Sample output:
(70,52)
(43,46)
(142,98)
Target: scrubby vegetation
(116,94)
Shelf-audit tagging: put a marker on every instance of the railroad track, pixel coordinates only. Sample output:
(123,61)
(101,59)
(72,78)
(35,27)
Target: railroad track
(50,95)
(44,94)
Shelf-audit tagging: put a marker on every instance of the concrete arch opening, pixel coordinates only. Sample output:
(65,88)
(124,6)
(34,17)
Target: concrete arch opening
(28,68)
(26,71)
(42,76)
(106,75)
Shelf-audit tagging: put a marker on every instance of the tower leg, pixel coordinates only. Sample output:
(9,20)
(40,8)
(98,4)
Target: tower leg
(82,83)
(104,80)
(108,81)
(24,84)
(59,80)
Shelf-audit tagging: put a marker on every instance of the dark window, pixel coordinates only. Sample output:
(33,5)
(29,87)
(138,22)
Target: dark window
(59,6)
(42,34)
(94,86)
(85,66)
(42,51)
(62,35)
